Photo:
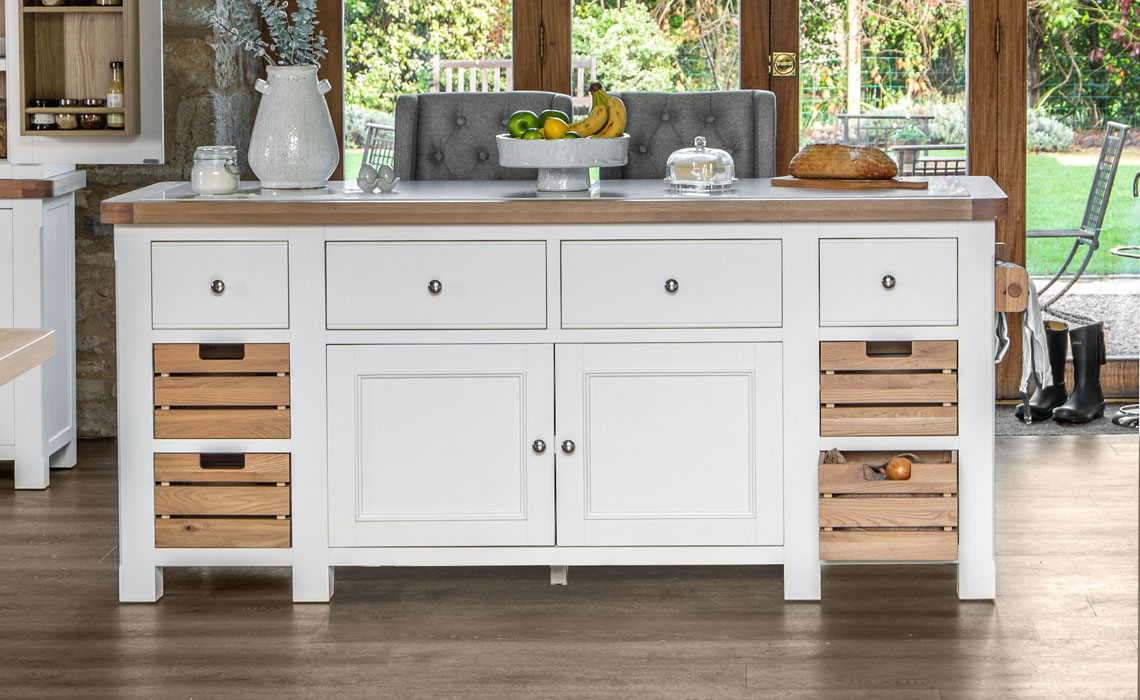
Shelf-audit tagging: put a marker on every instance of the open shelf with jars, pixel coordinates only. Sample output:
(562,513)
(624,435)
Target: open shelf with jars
(66,56)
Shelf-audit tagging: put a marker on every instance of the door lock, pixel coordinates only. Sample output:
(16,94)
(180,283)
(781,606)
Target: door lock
(784,64)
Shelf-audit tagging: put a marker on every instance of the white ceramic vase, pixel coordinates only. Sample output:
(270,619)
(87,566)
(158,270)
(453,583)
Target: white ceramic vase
(293,145)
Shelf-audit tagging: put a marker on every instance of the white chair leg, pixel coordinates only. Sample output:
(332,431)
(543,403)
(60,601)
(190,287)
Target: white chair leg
(559,575)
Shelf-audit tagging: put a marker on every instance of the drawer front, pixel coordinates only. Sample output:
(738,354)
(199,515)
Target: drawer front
(250,358)
(221,423)
(671,284)
(219,468)
(221,500)
(900,545)
(445,285)
(257,533)
(888,282)
(220,285)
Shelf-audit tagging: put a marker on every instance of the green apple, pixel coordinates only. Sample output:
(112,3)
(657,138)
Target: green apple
(552,113)
(532,134)
(521,121)
(571,135)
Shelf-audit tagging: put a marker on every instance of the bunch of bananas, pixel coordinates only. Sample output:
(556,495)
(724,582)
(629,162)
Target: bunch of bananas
(606,118)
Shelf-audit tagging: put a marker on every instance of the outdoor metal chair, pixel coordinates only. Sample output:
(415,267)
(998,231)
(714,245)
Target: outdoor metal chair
(380,146)
(1088,235)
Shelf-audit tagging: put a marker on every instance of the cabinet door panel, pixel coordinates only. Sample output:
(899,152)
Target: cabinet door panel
(431,445)
(676,444)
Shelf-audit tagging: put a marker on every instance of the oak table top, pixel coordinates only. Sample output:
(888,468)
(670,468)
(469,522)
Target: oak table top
(21,349)
(517,202)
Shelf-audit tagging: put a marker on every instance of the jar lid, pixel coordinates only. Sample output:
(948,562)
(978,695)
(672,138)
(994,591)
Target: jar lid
(215,152)
(68,102)
(44,104)
(94,102)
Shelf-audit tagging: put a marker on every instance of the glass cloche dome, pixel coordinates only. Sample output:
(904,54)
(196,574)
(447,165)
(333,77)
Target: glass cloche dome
(700,169)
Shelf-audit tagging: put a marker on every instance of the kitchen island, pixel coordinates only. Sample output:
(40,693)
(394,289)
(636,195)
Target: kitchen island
(473,373)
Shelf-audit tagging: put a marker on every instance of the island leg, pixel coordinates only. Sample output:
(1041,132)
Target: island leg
(801,401)
(32,460)
(977,563)
(559,575)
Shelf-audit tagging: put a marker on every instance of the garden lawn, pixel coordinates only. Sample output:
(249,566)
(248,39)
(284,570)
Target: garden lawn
(1055,199)
(352,161)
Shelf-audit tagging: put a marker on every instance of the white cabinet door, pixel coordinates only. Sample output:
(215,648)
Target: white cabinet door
(433,445)
(674,444)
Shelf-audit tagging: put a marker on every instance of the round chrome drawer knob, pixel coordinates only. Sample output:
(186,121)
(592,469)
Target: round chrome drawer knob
(217,286)
(435,286)
(568,446)
(672,286)
(539,446)
(888,281)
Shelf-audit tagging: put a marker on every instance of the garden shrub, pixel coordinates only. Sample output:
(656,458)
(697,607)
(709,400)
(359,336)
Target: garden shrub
(949,123)
(1045,133)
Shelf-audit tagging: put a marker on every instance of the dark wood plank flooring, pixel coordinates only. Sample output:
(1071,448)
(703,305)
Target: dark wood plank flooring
(1064,626)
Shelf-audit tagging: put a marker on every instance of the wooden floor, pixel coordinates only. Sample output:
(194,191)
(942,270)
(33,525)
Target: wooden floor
(1064,625)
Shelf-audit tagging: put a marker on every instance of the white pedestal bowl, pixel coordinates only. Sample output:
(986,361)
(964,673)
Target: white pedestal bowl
(563,164)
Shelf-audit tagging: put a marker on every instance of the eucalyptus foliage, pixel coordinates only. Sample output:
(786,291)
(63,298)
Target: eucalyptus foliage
(294,39)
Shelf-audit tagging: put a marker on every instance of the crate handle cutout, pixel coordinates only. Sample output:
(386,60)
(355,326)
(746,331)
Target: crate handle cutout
(222,461)
(889,348)
(221,351)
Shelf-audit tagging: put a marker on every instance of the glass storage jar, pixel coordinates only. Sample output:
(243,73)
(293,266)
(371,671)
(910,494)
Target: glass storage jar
(215,170)
(68,121)
(43,121)
(93,121)
(700,169)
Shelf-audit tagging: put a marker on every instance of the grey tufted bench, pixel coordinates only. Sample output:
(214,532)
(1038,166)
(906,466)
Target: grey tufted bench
(451,136)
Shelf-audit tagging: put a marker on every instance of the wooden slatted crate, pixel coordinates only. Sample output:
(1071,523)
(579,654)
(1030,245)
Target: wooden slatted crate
(222,500)
(221,391)
(867,519)
(877,388)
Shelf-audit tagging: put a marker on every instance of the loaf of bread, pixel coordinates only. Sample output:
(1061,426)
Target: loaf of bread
(836,162)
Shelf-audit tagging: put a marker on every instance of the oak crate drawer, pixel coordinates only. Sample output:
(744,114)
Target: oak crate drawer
(221,391)
(220,284)
(221,500)
(257,533)
(436,285)
(899,545)
(865,517)
(218,468)
(878,388)
(671,284)
(888,282)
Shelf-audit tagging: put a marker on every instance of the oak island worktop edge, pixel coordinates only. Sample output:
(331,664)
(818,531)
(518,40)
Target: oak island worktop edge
(515,202)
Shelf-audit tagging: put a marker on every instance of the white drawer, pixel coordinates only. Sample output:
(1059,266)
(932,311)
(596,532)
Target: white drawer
(253,277)
(481,284)
(856,278)
(627,284)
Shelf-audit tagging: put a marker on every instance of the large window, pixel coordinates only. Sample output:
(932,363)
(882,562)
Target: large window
(393,47)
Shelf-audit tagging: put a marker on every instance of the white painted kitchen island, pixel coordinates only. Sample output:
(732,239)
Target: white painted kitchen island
(473,374)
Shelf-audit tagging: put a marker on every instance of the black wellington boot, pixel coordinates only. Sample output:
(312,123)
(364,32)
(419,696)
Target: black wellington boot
(1086,403)
(1045,399)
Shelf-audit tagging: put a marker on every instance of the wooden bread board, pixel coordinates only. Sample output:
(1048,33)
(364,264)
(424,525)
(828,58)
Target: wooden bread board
(835,184)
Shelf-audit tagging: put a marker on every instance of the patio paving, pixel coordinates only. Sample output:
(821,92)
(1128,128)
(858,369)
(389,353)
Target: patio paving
(1114,300)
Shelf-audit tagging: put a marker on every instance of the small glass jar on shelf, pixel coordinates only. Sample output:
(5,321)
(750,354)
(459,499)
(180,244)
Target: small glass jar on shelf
(67,121)
(93,121)
(43,121)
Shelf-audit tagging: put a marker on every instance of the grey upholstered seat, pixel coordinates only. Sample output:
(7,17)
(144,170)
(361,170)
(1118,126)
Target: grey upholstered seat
(742,122)
(451,135)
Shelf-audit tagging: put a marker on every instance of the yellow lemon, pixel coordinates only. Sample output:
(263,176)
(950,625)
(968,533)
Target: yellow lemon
(554,128)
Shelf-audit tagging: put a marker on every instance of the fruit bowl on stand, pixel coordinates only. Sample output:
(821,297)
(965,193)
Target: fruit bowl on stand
(563,164)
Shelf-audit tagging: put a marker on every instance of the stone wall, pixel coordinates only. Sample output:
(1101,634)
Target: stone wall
(209,100)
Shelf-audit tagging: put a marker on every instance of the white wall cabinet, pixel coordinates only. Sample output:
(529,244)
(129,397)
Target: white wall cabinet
(674,444)
(434,445)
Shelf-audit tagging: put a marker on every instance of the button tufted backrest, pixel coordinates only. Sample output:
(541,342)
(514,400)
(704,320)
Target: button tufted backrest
(451,135)
(742,122)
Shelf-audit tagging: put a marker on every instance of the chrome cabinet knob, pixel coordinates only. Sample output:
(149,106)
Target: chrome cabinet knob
(539,446)
(888,281)
(568,446)
(672,286)
(217,286)
(435,286)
